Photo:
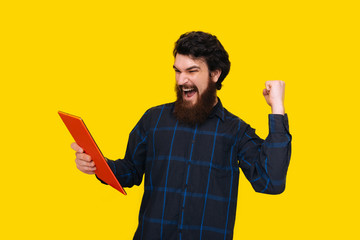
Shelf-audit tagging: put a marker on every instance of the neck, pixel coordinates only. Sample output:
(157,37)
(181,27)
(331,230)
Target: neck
(216,100)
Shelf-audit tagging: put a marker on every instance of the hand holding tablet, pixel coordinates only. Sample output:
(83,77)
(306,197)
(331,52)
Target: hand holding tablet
(89,157)
(83,161)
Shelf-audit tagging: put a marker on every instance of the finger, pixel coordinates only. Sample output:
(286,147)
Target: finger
(76,147)
(87,170)
(81,162)
(85,166)
(91,164)
(90,169)
(83,156)
(265,92)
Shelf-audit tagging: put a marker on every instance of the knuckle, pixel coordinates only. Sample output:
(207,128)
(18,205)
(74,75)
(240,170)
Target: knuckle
(89,170)
(78,155)
(84,157)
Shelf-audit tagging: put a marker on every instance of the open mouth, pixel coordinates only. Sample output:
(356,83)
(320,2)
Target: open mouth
(189,92)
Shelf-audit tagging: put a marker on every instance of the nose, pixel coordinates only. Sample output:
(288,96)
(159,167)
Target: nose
(181,78)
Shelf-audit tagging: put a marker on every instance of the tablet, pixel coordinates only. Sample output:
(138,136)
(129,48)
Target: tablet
(83,138)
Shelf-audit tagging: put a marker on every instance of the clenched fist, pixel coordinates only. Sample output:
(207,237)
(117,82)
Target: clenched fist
(274,95)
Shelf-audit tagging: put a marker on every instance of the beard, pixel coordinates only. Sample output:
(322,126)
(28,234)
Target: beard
(196,113)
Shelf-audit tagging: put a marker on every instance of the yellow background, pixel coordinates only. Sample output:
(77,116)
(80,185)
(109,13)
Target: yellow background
(109,61)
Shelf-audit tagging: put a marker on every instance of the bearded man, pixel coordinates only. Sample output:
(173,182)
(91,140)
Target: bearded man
(190,151)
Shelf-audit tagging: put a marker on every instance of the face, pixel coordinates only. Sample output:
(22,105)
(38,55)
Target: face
(192,77)
(195,89)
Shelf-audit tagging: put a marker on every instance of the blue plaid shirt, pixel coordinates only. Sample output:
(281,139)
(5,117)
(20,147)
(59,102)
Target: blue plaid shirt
(192,173)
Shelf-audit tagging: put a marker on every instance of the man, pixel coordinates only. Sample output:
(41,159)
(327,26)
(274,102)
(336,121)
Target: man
(190,151)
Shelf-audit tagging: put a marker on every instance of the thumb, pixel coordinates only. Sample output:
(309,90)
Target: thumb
(76,147)
(268,85)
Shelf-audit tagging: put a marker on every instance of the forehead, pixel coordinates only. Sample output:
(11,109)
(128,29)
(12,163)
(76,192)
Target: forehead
(183,62)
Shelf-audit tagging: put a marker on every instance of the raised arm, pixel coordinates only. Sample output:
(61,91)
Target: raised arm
(265,162)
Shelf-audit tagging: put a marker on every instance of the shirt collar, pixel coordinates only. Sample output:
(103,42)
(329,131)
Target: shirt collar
(218,111)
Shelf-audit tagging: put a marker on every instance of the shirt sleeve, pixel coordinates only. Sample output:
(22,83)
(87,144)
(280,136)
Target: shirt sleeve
(265,162)
(129,171)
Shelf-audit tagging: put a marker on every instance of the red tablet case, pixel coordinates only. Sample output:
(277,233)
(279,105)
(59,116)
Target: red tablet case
(83,138)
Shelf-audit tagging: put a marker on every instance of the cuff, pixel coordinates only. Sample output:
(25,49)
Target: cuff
(278,123)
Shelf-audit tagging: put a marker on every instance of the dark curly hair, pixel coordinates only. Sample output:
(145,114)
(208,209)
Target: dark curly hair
(204,45)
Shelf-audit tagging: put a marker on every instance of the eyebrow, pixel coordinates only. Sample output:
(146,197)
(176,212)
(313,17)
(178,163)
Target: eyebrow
(189,68)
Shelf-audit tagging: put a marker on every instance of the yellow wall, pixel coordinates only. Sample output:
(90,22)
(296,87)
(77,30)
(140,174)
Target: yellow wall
(109,61)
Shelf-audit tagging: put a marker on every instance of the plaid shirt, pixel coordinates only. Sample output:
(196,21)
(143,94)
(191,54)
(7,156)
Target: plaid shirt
(192,173)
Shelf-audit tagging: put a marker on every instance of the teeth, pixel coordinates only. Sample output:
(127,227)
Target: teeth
(188,90)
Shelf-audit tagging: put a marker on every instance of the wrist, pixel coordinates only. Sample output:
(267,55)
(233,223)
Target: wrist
(278,109)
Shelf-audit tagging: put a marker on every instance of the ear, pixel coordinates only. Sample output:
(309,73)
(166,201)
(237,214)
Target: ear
(215,75)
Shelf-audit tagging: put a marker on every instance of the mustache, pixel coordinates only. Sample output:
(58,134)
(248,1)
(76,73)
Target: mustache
(186,86)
